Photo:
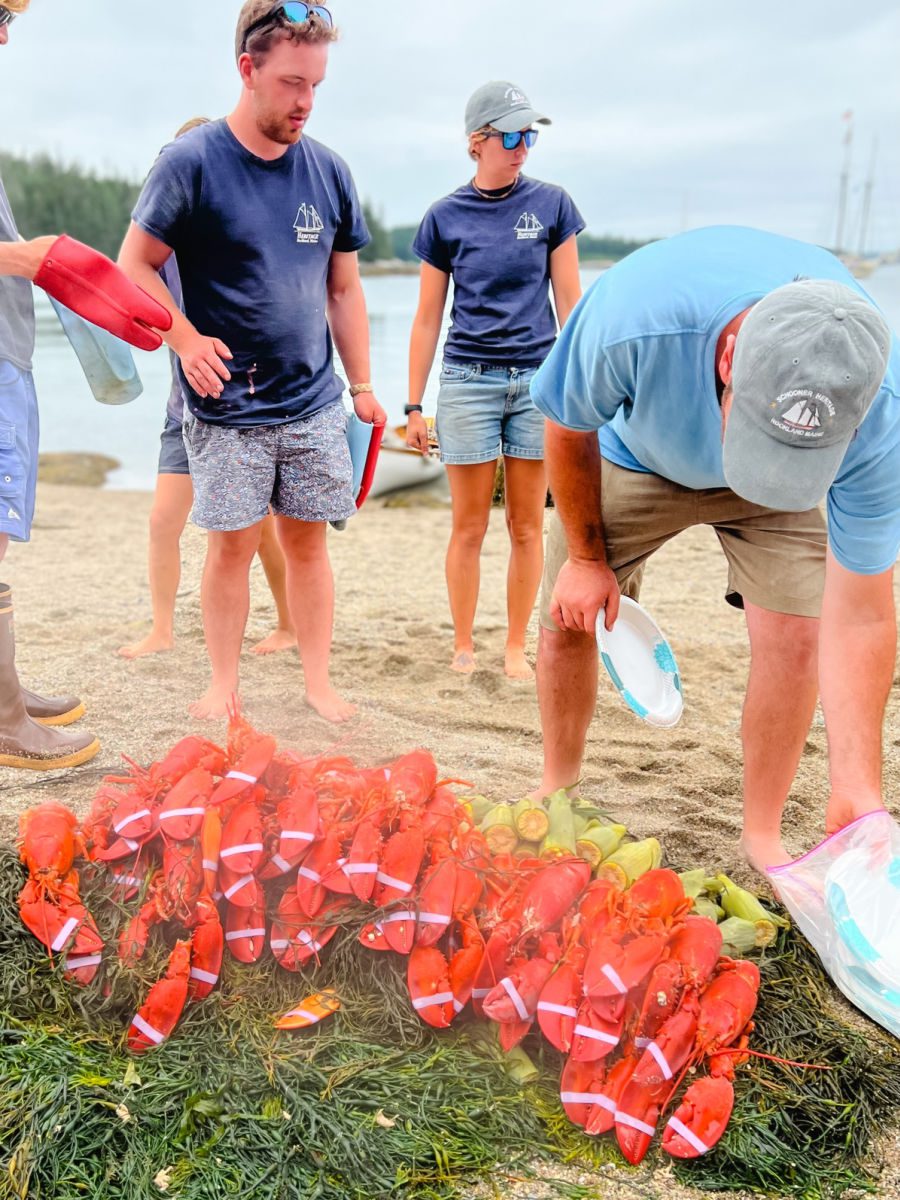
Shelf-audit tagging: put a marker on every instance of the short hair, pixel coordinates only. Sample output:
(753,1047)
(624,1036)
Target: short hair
(476,136)
(15,6)
(193,123)
(261,41)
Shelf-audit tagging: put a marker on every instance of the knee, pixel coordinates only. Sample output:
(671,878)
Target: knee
(231,553)
(524,533)
(165,525)
(469,534)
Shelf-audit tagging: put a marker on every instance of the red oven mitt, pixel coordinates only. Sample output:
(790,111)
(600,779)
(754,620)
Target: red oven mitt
(93,286)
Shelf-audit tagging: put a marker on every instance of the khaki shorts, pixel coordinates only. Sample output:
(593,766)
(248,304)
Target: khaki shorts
(776,560)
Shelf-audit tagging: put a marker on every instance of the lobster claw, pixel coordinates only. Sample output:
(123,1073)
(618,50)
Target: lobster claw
(245,932)
(579,1088)
(700,1119)
(428,980)
(180,815)
(372,936)
(310,1011)
(159,1014)
(361,865)
(246,771)
(593,1036)
(207,949)
(557,1009)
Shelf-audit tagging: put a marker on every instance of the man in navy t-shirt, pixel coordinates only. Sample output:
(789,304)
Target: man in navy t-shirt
(266,226)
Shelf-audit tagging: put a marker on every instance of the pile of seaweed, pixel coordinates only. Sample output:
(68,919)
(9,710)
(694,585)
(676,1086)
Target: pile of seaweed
(373,1103)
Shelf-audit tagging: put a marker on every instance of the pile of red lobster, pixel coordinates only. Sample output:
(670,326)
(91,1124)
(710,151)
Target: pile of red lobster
(249,846)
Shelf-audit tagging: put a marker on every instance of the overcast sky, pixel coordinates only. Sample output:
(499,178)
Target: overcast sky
(668,114)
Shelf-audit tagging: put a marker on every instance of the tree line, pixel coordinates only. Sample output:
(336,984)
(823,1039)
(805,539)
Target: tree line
(49,197)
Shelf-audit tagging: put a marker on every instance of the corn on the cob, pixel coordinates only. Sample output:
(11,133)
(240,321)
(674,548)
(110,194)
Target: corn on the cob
(519,1067)
(479,806)
(629,862)
(704,907)
(560,837)
(527,850)
(740,936)
(499,830)
(599,841)
(738,902)
(531,819)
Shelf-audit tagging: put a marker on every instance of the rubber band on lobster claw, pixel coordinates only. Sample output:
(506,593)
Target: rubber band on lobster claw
(91,285)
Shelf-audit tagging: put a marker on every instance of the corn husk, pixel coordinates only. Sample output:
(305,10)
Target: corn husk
(499,830)
(704,907)
(742,937)
(580,823)
(738,902)
(560,839)
(531,819)
(629,862)
(599,841)
(527,850)
(693,882)
(519,1067)
(478,806)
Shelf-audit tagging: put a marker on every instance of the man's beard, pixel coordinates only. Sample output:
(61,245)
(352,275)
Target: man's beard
(277,129)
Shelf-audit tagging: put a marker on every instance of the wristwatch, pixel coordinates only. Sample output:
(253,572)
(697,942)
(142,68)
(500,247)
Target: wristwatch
(411,408)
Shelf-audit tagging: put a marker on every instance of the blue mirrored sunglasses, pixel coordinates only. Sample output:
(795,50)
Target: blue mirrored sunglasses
(511,140)
(6,16)
(294,13)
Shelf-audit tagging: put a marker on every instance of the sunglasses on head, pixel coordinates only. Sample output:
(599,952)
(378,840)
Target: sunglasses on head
(293,13)
(511,140)
(6,16)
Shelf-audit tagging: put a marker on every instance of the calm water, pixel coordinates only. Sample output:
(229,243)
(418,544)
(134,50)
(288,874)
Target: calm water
(72,420)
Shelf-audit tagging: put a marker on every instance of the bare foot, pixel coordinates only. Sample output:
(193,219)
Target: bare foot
(278,639)
(153,643)
(463,662)
(517,665)
(843,811)
(764,853)
(328,704)
(213,704)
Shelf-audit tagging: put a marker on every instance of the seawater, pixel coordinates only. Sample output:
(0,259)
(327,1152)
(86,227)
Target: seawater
(71,420)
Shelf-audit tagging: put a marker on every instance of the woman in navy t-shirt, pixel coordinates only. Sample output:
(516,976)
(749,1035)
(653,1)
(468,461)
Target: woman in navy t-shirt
(505,240)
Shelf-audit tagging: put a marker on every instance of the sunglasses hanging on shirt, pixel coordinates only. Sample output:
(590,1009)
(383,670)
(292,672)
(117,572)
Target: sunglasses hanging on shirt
(293,13)
(511,140)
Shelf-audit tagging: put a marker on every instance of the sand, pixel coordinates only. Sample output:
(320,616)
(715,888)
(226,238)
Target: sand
(80,591)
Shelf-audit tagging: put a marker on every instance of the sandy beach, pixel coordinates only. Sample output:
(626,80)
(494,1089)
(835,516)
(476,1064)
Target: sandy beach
(80,591)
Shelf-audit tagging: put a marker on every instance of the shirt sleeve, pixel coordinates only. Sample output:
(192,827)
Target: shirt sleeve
(569,221)
(163,208)
(430,246)
(582,383)
(864,502)
(352,232)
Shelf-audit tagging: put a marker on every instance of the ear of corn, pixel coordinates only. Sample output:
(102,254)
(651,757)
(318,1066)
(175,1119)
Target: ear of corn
(741,937)
(499,830)
(560,837)
(599,841)
(531,819)
(704,907)
(479,806)
(629,862)
(693,882)
(738,902)
(527,850)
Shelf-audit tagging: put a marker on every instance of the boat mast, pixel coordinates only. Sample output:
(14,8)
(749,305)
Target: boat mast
(845,179)
(867,200)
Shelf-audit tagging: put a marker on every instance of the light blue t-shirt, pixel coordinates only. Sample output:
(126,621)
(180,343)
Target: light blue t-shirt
(636,360)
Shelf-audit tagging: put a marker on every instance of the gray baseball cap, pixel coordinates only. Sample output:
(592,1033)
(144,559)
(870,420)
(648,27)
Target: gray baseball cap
(808,362)
(502,105)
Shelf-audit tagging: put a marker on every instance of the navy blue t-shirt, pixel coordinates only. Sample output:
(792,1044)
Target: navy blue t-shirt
(498,253)
(253,239)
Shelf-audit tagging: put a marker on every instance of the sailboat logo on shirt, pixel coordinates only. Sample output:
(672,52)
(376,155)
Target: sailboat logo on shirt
(308,224)
(527,227)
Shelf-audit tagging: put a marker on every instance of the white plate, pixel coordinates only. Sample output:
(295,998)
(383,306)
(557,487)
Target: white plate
(641,664)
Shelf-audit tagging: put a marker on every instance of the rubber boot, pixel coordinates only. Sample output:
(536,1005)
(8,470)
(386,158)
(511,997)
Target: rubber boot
(23,742)
(46,710)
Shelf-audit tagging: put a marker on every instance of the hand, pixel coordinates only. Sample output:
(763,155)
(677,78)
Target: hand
(368,409)
(583,587)
(417,433)
(201,360)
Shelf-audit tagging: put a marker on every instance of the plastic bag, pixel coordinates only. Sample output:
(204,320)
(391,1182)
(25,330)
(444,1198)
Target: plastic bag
(845,897)
(107,361)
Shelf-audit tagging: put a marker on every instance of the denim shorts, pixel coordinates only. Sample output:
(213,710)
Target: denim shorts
(173,459)
(485,410)
(19,429)
(301,468)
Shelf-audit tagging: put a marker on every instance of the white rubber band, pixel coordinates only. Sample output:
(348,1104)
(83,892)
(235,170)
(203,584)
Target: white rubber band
(65,933)
(360,868)
(246,848)
(129,880)
(144,1027)
(281,863)
(210,864)
(622,1118)
(83,960)
(564,1010)
(480,993)
(236,887)
(430,918)
(181,812)
(431,1001)
(203,976)
(297,835)
(688,1134)
(302,1012)
(518,1003)
(597,1035)
(392,918)
(126,821)
(240,775)
(308,873)
(389,881)
(237,934)
(614,978)
(660,1059)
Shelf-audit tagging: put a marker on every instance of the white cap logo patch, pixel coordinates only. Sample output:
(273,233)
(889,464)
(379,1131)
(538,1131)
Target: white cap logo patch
(803,413)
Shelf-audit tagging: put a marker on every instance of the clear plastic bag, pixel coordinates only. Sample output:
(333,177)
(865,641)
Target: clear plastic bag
(845,897)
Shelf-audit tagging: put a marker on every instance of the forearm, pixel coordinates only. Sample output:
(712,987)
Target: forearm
(350,329)
(147,276)
(423,341)
(857,649)
(574,475)
(16,259)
